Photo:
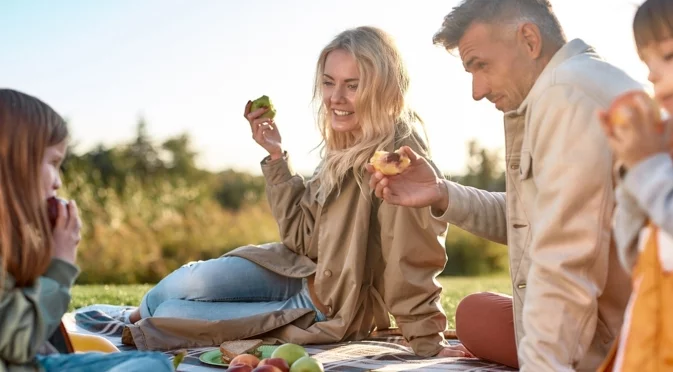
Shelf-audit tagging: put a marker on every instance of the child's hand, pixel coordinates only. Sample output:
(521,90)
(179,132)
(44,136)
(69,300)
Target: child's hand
(639,139)
(66,232)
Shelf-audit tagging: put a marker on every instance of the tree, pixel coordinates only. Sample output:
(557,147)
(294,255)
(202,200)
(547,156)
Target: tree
(484,169)
(141,156)
(181,159)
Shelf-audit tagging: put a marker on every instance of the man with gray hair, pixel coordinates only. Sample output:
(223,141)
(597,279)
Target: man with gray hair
(569,291)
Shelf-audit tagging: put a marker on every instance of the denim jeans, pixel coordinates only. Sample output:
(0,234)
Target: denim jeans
(133,361)
(225,288)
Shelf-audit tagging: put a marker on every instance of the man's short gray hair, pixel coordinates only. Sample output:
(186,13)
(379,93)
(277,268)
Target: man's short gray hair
(538,12)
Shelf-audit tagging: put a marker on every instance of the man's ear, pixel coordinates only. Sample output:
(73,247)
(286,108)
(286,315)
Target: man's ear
(531,37)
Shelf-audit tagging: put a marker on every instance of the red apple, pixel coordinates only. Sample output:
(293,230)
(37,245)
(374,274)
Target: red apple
(52,209)
(239,368)
(248,359)
(621,107)
(279,363)
(267,368)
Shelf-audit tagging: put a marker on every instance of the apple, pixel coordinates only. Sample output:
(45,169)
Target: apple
(289,352)
(264,101)
(267,368)
(279,363)
(248,359)
(623,105)
(52,209)
(239,368)
(307,364)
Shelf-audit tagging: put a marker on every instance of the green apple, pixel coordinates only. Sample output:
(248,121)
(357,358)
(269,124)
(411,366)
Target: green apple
(264,101)
(289,352)
(179,356)
(307,364)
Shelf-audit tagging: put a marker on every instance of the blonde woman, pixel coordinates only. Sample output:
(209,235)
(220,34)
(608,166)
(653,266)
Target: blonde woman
(343,256)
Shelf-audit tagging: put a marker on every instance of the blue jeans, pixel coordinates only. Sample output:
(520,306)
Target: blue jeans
(225,288)
(134,361)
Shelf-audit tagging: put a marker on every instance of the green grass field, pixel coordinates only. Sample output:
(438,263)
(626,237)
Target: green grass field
(455,288)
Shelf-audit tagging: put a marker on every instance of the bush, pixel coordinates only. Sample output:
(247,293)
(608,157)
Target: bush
(470,255)
(145,231)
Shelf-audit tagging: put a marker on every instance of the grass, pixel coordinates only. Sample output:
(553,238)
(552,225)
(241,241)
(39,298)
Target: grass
(455,288)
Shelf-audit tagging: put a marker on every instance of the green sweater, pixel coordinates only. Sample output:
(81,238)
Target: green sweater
(29,315)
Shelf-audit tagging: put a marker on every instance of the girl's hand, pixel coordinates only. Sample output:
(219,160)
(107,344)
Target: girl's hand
(264,131)
(640,138)
(66,232)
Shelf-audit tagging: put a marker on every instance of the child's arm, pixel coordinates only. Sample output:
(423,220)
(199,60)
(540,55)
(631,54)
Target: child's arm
(650,182)
(54,292)
(29,315)
(629,218)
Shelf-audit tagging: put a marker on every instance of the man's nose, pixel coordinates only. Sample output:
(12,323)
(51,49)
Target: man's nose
(480,89)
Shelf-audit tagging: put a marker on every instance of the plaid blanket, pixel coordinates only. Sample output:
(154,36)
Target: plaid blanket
(383,352)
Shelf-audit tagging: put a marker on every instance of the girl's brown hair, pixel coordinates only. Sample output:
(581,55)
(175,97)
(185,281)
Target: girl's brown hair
(27,127)
(653,22)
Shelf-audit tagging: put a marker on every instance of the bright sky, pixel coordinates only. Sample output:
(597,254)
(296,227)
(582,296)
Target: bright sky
(190,66)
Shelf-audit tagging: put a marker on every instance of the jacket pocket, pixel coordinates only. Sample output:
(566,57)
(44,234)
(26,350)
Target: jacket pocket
(526,165)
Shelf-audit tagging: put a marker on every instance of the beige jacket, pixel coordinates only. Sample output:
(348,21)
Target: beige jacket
(367,261)
(569,290)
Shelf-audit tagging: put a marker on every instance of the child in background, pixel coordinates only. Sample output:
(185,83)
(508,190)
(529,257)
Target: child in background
(643,223)
(37,262)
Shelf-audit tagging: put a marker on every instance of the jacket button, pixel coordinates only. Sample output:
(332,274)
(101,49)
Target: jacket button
(327,273)
(521,286)
(329,310)
(514,166)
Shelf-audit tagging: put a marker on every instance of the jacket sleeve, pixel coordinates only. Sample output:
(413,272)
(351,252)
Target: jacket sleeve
(29,315)
(414,255)
(482,213)
(291,205)
(570,241)
(649,185)
(628,219)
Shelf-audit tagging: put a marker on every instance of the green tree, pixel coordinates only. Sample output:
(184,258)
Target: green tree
(140,156)
(484,169)
(181,159)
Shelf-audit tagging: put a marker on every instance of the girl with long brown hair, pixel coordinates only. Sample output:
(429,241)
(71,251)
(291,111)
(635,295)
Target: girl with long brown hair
(37,261)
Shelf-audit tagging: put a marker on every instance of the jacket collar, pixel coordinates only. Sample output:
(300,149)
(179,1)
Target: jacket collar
(570,49)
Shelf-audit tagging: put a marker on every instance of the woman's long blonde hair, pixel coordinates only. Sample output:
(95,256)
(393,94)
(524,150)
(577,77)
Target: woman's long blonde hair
(27,127)
(381,106)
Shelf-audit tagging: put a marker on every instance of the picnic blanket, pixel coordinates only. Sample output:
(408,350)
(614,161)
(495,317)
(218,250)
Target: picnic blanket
(386,351)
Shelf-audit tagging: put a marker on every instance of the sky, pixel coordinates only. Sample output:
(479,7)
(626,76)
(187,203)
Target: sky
(190,66)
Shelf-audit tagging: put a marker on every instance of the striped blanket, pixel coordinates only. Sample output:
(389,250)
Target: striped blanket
(383,352)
